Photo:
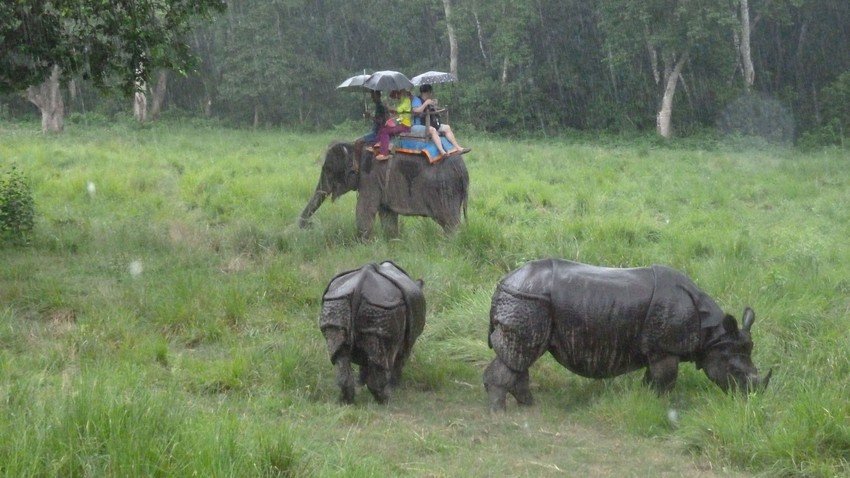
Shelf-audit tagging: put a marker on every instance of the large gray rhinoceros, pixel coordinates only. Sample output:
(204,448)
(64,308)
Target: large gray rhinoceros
(602,322)
(371,317)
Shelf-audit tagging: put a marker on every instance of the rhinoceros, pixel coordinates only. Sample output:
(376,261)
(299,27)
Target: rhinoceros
(601,322)
(371,317)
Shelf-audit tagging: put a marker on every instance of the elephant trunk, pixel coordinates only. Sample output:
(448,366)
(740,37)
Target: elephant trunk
(339,175)
(315,201)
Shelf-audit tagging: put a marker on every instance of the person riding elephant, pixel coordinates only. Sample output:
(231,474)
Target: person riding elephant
(425,103)
(408,185)
(399,124)
(379,117)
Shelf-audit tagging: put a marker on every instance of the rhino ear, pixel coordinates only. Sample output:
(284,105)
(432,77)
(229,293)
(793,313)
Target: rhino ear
(730,325)
(420,283)
(749,318)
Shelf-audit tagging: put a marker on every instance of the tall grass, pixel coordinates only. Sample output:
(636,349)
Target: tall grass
(165,324)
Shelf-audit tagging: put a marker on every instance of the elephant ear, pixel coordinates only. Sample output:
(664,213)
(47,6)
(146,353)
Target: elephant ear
(337,172)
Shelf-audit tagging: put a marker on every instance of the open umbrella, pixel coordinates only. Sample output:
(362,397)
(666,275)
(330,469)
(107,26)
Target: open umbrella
(433,78)
(388,80)
(354,83)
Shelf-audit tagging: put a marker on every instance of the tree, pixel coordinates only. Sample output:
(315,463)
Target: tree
(115,44)
(447,7)
(669,31)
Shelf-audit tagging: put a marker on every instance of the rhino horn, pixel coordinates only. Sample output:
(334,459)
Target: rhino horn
(749,318)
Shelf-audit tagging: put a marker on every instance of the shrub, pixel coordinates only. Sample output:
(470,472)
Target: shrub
(17,209)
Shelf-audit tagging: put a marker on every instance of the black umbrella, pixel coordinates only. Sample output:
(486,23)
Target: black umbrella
(388,80)
(433,78)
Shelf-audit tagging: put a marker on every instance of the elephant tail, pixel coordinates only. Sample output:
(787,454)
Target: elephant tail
(463,205)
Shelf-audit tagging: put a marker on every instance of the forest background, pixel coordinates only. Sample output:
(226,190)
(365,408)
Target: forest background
(774,68)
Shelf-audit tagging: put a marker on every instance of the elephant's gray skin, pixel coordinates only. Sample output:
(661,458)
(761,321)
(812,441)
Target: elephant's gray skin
(602,322)
(371,317)
(405,184)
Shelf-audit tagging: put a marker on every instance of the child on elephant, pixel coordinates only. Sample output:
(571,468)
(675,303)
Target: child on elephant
(400,124)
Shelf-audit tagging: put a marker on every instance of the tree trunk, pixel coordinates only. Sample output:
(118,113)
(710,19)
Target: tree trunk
(140,103)
(653,56)
(48,98)
(671,79)
(746,53)
(447,6)
(480,36)
(158,94)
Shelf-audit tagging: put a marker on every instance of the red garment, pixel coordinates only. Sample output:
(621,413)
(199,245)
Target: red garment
(384,135)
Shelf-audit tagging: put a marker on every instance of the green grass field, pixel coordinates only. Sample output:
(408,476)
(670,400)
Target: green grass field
(167,323)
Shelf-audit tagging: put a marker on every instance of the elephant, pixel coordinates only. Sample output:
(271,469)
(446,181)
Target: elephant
(404,184)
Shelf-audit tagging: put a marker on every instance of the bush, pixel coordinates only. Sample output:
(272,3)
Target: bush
(836,114)
(17,209)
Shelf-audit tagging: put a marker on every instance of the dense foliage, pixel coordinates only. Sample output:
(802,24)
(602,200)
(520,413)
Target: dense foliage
(525,67)
(17,208)
(116,43)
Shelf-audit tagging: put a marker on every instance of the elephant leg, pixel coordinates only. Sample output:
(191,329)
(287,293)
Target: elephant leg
(447,217)
(389,220)
(661,373)
(449,224)
(499,379)
(344,379)
(367,208)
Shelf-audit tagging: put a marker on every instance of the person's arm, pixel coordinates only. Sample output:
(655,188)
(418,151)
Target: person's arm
(421,108)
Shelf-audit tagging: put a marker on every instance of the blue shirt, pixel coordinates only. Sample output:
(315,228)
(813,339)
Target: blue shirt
(416,103)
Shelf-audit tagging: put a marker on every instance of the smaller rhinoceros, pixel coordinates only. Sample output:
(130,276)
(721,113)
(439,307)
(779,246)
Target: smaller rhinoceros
(371,317)
(602,322)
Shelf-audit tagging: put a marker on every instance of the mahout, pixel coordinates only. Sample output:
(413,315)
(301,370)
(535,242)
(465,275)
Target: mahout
(601,322)
(371,317)
(405,184)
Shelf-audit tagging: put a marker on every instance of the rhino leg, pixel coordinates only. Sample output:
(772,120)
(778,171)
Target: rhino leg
(345,379)
(377,379)
(520,333)
(395,374)
(521,391)
(661,373)
(499,380)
